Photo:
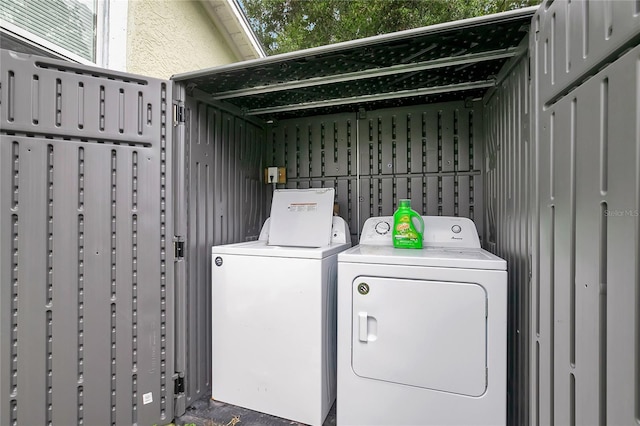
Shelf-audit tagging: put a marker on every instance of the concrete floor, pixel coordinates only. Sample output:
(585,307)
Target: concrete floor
(206,412)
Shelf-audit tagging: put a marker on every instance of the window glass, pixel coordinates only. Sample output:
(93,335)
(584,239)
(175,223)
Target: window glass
(70,24)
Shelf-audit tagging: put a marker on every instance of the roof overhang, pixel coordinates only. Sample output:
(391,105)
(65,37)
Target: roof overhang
(233,24)
(457,60)
(226,15)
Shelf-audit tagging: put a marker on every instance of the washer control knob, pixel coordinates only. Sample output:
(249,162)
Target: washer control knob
(456,229)
(382,227)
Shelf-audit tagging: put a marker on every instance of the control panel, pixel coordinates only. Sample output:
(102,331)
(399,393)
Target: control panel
(439,231)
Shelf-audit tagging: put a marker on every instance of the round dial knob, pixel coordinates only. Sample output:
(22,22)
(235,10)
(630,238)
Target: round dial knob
(456,229)
(382,228)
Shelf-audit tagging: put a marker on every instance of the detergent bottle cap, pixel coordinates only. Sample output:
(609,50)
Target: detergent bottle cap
(404,203)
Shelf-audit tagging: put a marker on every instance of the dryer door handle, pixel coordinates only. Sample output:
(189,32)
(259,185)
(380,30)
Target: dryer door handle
(363,334)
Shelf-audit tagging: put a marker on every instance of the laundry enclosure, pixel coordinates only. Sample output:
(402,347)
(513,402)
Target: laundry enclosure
(114,187)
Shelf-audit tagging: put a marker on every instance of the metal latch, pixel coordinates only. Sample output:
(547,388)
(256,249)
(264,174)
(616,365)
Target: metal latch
(178,386)
(178,249)
(178,114)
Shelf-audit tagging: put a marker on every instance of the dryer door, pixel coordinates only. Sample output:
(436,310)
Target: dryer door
(428,334)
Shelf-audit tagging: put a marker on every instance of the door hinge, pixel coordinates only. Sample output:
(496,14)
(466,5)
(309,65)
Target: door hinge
(178,386)
(178,248)
(178,114)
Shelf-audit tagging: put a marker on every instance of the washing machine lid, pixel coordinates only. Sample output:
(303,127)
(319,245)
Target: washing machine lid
(262,248)
(445,257)
(301,217)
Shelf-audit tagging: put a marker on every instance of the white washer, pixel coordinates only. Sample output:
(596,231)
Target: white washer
(421,333)
(274,326)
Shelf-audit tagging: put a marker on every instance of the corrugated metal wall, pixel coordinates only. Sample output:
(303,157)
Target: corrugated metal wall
(507,217)
(86,309)
(585,356)
(224,203)
(431,154)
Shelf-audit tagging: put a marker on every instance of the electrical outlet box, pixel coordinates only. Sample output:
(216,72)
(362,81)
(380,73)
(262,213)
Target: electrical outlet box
(272,175)
(275,175)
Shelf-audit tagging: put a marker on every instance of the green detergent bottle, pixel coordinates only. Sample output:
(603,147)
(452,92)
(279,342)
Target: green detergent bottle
(404,233)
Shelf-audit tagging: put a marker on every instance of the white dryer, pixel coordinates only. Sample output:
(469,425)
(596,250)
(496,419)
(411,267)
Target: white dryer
(421,333)
(274,311)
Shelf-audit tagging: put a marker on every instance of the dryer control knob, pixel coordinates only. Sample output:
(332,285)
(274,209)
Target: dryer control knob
(382,227)
(456,229)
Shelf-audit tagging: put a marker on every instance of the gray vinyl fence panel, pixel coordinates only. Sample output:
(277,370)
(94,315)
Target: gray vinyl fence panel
(507,183)
(431,154)
(578,37)
(224,203)
(585,323)
(86,301)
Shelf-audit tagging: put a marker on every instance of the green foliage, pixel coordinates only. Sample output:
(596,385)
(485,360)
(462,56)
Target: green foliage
(288,25)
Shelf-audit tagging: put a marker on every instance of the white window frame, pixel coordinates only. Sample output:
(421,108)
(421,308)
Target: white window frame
(111,41)
(111,37)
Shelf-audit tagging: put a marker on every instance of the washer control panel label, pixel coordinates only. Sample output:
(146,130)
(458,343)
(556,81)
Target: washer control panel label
(303,207)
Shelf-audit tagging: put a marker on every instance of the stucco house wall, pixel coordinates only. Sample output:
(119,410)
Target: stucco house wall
(166,37)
